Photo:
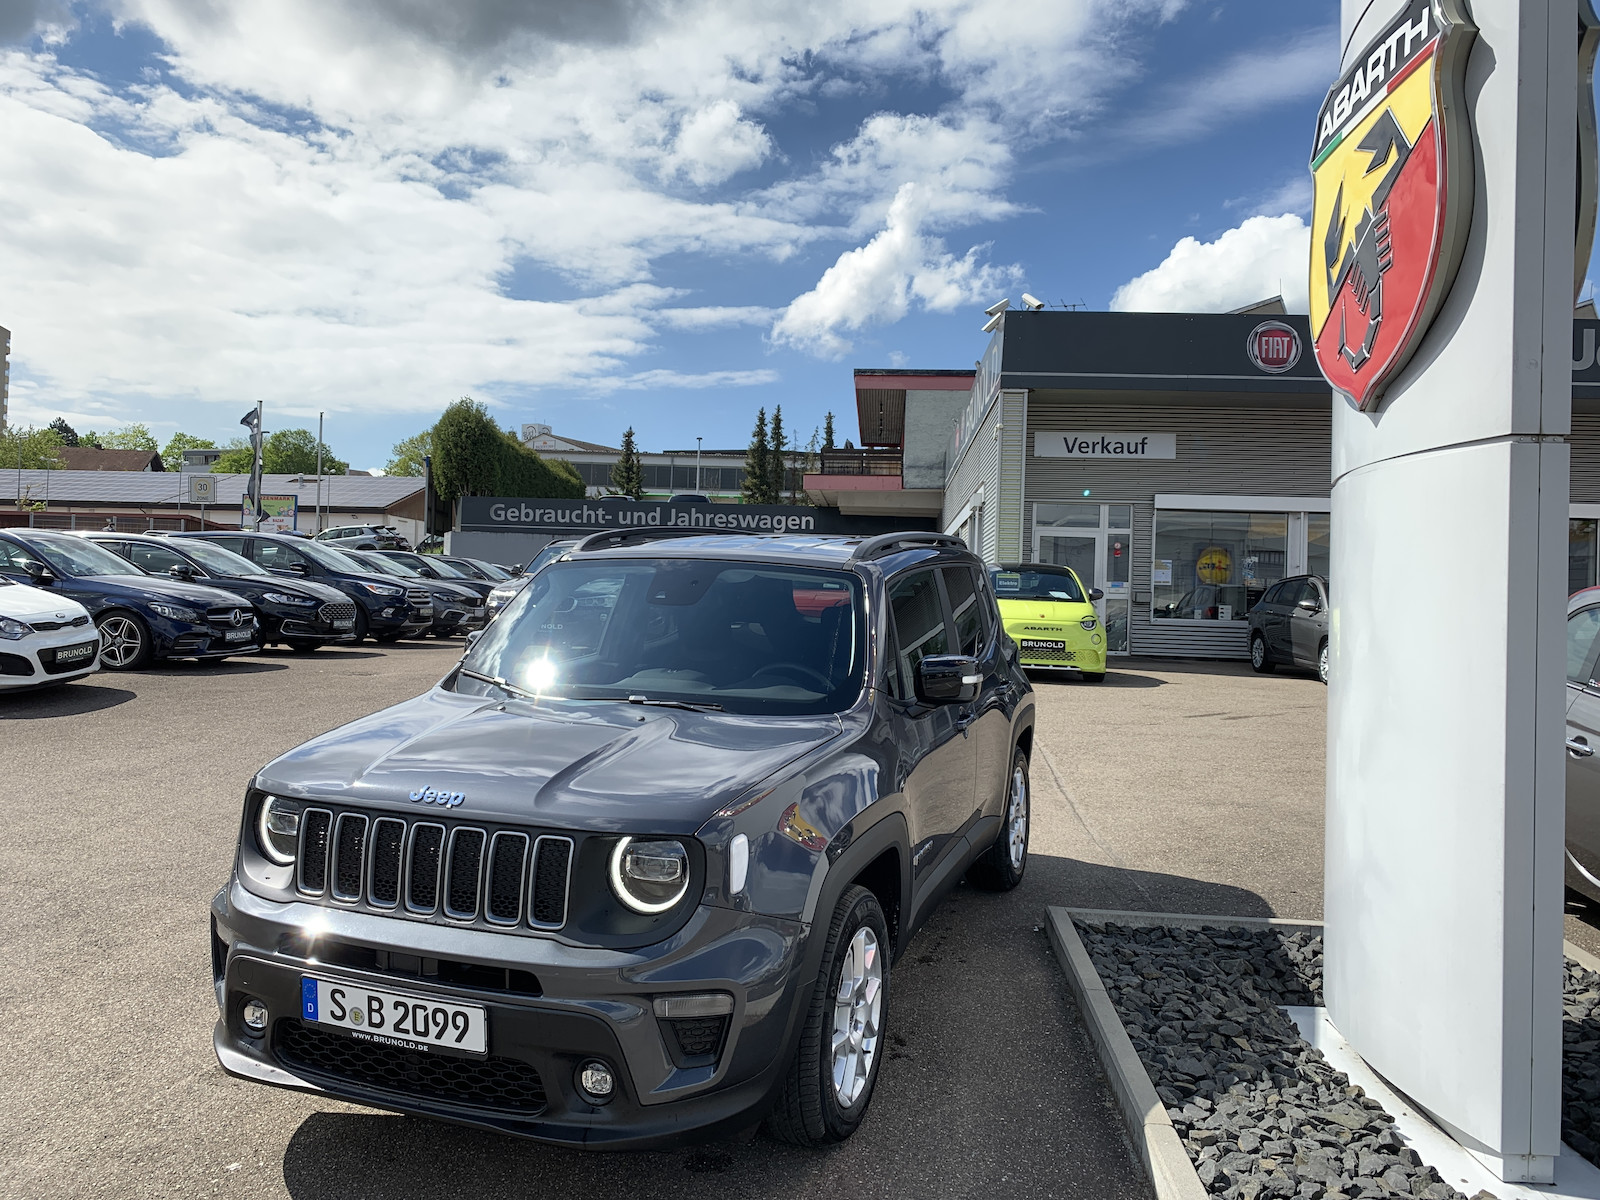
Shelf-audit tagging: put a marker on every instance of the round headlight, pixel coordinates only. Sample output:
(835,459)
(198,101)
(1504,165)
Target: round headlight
(278,830)
(1088,623)
(649,877)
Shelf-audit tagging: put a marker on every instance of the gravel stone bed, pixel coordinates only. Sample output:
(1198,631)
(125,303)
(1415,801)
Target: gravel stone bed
(1260,1111)
(1580,1061)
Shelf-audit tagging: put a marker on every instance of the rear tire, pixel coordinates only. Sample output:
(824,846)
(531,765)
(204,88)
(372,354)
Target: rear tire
(1003,864)
(1260,661)
(825,1095)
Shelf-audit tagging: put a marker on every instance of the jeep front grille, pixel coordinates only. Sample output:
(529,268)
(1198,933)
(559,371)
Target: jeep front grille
(459,873)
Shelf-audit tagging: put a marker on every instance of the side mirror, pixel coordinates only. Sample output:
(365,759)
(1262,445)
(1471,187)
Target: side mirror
(40,574)
(1096,594)
(298,568)
(948,679)
(472,640)
(1309,606)
(181,571)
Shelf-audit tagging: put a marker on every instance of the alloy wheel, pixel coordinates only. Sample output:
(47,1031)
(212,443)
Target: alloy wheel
(1322,663)
(857,1012)
(1017,819)
(1258,652)
(121,642)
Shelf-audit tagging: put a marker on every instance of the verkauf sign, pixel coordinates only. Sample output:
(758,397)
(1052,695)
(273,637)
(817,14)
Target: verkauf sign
(489,514)
(1105,445)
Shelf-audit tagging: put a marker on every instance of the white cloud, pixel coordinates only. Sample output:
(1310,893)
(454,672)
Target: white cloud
(1264,256)
(319,203)
(1293,195)
(680,379)
(878,282)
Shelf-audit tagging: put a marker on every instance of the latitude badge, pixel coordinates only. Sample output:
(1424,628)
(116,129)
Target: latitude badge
(1391,173)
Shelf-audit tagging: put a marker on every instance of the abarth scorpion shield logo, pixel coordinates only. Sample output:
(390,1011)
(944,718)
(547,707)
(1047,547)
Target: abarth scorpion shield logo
(1391,169)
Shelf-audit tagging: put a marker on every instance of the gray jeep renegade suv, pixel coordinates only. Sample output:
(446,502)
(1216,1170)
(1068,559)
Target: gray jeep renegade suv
(637,868)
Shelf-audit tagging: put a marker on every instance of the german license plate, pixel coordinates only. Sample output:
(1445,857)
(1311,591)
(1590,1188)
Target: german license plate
(1041,644)
(393,1019)
(350,624)
(71,654)
(238,635)
(425,610)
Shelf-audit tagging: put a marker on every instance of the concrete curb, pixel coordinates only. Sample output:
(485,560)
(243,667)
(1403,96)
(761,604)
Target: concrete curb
(1163,1155)
(1118,916)
(1582,957)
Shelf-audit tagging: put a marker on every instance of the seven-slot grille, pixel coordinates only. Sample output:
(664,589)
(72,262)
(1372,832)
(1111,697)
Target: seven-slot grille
(336,611)
(464,873)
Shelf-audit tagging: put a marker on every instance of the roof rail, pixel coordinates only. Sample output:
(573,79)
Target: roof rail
(890,543)
(609,539)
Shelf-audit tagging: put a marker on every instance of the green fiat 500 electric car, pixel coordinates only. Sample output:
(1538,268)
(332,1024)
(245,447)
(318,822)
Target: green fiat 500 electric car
(1051,616)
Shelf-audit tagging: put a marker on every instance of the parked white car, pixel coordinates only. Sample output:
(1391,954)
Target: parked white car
(44,638)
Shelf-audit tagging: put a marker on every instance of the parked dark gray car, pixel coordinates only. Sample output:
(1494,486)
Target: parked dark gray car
(1583,737)
(1289,626)
(637,868)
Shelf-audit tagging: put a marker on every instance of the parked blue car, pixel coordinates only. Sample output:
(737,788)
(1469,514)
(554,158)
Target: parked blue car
(141,617)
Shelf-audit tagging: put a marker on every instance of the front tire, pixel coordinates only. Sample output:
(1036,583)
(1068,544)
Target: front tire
(358,632)
(1092,676)
(1322,663)
(125,642)
(1003,864)
(824,1097)
(1260,661)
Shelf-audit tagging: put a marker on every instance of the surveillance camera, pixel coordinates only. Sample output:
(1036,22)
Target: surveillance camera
(1032,301)
(993,322)
(998,307)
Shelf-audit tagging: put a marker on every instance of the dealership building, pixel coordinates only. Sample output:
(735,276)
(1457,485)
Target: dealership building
(1179,462)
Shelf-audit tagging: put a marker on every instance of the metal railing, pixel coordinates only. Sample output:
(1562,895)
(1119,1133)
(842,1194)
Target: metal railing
(861,462)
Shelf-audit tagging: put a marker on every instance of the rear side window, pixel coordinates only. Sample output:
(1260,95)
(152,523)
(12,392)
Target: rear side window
(918,620)
(968,608)
(231,543)
(275,557)
(1583,627)
(1274,594)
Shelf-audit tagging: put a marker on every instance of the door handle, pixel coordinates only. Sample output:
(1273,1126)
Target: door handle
(1579,747)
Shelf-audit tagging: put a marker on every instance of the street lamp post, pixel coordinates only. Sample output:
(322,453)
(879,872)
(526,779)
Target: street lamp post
(697,442)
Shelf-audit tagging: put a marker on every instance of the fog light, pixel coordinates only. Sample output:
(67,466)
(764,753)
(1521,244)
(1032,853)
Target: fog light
(1095,639)
(596,1081)
(255,1015)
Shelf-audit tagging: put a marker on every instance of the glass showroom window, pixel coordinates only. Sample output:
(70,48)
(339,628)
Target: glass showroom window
(1580,555)
(1212,566)
(1318,534)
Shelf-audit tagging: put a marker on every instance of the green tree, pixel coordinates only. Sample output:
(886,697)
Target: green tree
(29,448)
(68,435)
(405,458)
(136,436)
(472,456)
(627,474)
(172,455)
(777,458)
(286,452)
(827,432)
(755,463)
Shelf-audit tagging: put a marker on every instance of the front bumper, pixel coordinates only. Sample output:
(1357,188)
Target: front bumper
(447,621)
(31,660)
(182,640)
(1079,649)
(562,1005)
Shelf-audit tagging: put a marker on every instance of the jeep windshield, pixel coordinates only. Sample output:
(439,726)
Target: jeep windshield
(743,637)
(1032,583)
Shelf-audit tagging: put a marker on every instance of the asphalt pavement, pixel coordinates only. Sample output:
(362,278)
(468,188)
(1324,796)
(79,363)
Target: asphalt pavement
(121,803)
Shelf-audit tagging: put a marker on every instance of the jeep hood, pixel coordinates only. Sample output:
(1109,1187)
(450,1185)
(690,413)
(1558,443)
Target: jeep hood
(591,766)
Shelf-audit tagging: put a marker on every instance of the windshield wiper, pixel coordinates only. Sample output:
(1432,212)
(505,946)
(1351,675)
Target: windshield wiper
(503,684)
(691,705)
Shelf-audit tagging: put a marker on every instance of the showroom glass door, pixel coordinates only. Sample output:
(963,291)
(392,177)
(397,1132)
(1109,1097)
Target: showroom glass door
(1096,541)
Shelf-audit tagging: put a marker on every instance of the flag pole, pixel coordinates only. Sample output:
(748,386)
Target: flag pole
(319,472)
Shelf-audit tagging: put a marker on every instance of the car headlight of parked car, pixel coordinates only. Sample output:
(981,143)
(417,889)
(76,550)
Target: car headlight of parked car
(13,630)
(1089,623)
(285,598)
(649,876)
(278,830)
(174,612)
(383,589)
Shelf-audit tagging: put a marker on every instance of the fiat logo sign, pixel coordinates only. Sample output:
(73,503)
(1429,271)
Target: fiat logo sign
(1274,347)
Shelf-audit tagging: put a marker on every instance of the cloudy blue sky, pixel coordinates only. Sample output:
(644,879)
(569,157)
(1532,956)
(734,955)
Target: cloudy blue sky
(661,213)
